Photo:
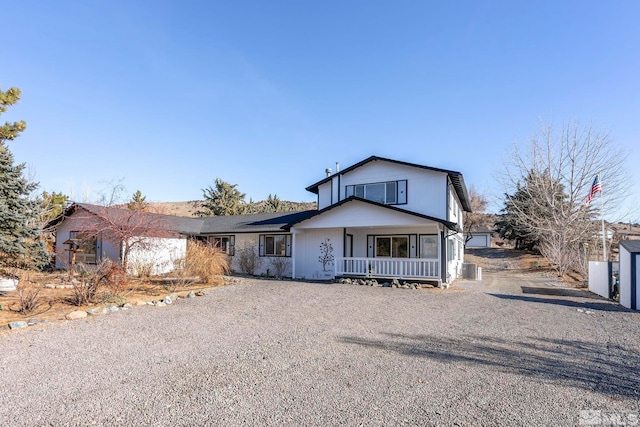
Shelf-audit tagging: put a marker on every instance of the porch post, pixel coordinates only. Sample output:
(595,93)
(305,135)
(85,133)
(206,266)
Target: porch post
(293,253)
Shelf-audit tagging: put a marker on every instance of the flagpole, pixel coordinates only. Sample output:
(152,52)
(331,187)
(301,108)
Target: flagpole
(604,239)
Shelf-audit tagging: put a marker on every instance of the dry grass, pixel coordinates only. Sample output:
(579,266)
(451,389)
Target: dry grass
(203,262)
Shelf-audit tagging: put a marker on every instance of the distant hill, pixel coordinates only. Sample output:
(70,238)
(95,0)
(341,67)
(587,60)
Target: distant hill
(189,208)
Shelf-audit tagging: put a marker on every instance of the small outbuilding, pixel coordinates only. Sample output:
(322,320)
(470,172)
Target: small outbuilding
(629,273)
(480,238)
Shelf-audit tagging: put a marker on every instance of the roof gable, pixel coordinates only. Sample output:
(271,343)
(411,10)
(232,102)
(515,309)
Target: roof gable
(450,225)
(456,178)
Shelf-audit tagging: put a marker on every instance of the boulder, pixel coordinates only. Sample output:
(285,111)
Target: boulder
(75,315)
(18,325)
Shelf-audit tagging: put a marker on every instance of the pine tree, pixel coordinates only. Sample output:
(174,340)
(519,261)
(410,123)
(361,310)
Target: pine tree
(138,202)
(19,232)
(52,205)
(224,199)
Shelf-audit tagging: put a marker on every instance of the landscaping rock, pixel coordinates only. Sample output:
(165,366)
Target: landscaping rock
(173,297)
(167,301)
(191,295)
(395,283)
(18,325)
(160,304)
(126,306)
(31,322)
(75,315)
(112,309)
(200,294)
(96,311)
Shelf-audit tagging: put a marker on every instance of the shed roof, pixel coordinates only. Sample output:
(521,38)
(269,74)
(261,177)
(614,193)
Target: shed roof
(631,245)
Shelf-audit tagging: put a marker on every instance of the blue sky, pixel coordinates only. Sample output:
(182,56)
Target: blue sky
(169,95)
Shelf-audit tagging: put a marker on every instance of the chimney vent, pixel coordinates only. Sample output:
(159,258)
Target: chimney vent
(328,172)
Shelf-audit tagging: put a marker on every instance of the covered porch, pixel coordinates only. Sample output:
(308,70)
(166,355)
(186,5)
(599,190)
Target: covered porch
(371,241)
(392,268)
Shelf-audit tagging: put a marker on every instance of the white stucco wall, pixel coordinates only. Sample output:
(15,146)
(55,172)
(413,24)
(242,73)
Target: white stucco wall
(156,254)
(265,262)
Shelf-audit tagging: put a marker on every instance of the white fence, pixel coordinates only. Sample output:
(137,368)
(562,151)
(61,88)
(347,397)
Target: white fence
(417,268)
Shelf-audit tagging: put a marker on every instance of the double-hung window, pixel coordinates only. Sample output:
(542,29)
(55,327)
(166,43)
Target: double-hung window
(275,245)
(388,193)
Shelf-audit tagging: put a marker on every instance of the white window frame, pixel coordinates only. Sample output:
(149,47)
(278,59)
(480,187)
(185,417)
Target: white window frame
(400,190)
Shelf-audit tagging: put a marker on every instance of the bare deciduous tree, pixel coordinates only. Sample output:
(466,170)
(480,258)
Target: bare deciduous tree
(552,174)
(473,219)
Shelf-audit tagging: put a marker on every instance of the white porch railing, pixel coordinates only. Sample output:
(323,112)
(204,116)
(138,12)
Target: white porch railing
(416,268)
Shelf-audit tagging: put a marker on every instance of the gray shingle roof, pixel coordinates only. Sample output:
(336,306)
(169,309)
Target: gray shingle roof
(631,245)
(253,223)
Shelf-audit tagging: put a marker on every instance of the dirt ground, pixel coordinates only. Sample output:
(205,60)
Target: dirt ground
(55,297)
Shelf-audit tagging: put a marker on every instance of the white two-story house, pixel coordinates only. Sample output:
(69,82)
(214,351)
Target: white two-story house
(385,218)
(379,218)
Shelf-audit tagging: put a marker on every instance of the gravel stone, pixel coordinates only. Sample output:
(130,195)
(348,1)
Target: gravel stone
(287,353)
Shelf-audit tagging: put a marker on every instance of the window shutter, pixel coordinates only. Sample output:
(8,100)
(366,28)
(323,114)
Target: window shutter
(232,245)
(370,248)
(402,192)
(287,250)
(261,246)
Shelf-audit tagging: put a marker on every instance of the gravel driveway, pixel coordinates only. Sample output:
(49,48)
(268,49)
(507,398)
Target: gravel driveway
(512,350)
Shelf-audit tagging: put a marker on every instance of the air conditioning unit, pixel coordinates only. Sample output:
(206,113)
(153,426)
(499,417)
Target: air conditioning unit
(471,271)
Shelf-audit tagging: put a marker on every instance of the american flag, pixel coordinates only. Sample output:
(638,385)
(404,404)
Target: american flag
(596,187)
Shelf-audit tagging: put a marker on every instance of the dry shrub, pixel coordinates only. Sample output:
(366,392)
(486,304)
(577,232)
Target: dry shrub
(248,258)
(85,289)
(29,298)
(141,269)
(202,262)
(279,266)
(113,276)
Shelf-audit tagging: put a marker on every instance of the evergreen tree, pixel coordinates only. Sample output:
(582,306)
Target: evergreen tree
(19,232)
(138,202)
(273,204)
(52,205)
(223,199)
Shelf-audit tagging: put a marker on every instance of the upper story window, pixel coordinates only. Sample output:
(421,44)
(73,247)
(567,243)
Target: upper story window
(388,193)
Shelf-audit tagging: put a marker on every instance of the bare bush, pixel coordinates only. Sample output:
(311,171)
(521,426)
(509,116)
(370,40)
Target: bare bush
(248,258)
(279,266)
(86,286)
(29,298)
